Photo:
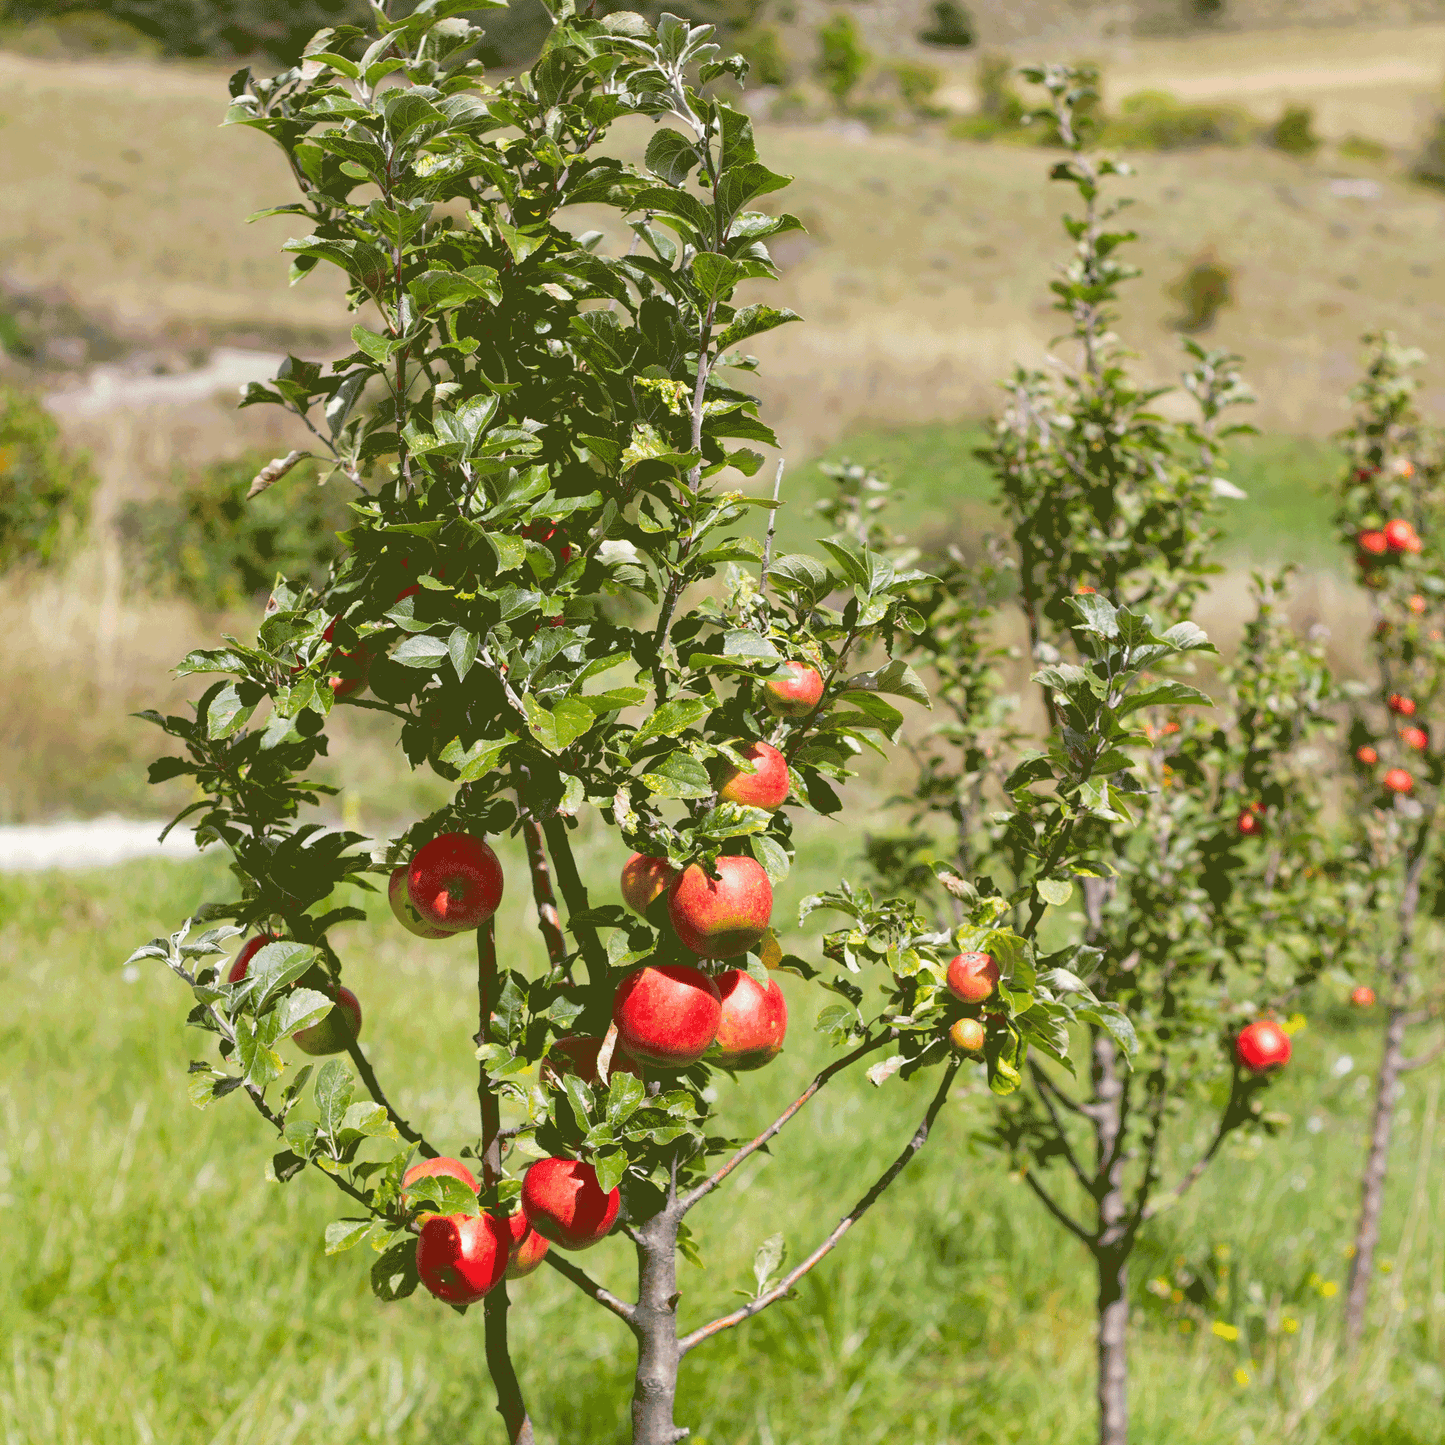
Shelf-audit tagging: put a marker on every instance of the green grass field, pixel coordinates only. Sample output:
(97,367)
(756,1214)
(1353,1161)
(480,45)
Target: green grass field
(154,1289)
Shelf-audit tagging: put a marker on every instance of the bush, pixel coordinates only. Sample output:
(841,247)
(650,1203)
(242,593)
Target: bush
(1154,120)
(1363,148)
(842,58)
(206,542)
(44,490)
(1204,290)
(1429,167)
(952,26)
(769,61)
(79,33)
(917,85)
(1293,132)
(1001,109)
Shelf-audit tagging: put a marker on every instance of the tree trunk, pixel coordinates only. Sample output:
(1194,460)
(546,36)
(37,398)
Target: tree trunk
(1111,1254)
(1372,1188)
(499,1361)
(654,1391)
(1113,1347)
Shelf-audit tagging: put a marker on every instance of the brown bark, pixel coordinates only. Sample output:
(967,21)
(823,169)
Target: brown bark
(654,1322)
(1114,1243)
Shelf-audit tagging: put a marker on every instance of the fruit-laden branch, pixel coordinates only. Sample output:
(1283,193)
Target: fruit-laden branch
(510,1404)
(548,920)
(274,1120)
(589,1286)
(700,1192)
(781,1290)
(373,1087)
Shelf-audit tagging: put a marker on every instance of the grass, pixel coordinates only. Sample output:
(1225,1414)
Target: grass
(154,1288)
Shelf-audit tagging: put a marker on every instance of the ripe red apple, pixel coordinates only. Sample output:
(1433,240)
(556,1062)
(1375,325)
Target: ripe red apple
(1363,997)
(335,1031)
(1371,544)
(1262,1046)
(564,1203)
(1416,604)
(645,880)
(1416,738)
(249,950)
(1250,824)
(353,669)
(579,1056)
(754,1022)
(443,1166)
(724,916)
(1366,755)
(1084,591)
(1400,536)
(461,1257)
(765,788)
(1401,705)
(405,910)
(1397,780)
(796,695)
(455,882)
(528,1246)
(968,1036)
(972,977)
(667,1014)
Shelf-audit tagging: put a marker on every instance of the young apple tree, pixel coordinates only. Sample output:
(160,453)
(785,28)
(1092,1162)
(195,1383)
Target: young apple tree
(549,591)
(1391,515)
(1191,834)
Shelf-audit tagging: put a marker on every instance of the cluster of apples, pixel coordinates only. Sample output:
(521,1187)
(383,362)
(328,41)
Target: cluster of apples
(1250,822)
(1397,780)
(1395,538)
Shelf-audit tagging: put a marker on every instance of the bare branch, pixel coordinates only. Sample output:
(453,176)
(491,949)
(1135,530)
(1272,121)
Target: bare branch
(1043,1091)
(1229,1120)
(373,1087)
(780,1291)
(701,1191)
(1421,1060)
(548,920)
(589,1286)
(1066,1220)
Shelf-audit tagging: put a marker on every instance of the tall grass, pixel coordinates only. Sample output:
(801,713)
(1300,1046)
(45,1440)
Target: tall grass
(154,1288)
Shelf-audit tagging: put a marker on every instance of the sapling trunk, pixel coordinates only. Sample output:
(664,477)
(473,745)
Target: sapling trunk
(1113,1305)
(654,1392)
(1113,1246)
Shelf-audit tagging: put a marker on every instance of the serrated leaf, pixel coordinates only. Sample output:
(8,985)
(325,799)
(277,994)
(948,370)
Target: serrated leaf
(335,1085)
(344,1234)
(1056,891)
(462,648)
(768,1260)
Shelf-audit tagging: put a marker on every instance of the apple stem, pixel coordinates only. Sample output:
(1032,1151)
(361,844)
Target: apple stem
(784,1288)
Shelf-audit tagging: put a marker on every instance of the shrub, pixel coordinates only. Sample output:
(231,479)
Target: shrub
(1363,148)
(1204,290)
(1001,109)
(1293,132)
(1154,120)
(204,541)
(952,26)
(917,85)
(769,61)
(842,57)
(44,489)
(79,33)
(1429,167)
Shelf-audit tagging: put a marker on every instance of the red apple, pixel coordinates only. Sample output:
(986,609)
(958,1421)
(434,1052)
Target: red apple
(667,1014)
(528,1246)
(455,882)
(249,950)
(405,910)
(1416,604)
(1397,780)
(1262,1046)
(1084,591)
(335,1031)
(724,916)
(796,695)
(441,1166)
(766,788)
(645,880)
(1372,544)
(1363,997)
(565,1204)
(579,1056)
(1249,824)
(754,1021)
(1416,738)
(461,1257)
(1366,755)
(1400,536)
(972,977)
(1401,705)
(968,1036)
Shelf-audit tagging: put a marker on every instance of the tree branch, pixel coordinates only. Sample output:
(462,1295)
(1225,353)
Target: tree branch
(779,1291)
(1421,1060)
(1067,1221)
(589,1286)
(1228,1122)
(373,1087)
(548,921)
(700,1192)
(574,894)
(1071,1158)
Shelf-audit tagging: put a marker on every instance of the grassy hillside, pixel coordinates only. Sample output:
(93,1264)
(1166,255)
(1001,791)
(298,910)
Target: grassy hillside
(154,1288)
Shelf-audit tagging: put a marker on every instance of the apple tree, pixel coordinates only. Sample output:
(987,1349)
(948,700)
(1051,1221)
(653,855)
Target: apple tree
(1185,825)
(554,595)
(1391,516)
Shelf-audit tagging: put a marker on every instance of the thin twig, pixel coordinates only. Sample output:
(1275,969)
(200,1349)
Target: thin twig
(772,525)
(701,1191)
(373,1087)
(1228,1122)
(780,1291)
(1046,1199)
(589,1286)
(1067,1148)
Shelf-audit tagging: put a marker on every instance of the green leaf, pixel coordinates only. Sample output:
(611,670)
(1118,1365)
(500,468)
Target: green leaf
(511,552)
(678,775)
(772,855)
(462,648)
(1174,694)
(394,1275)
(673,718)
(365,1120)
(671,157)
(335,1085)
(1097,614)
(768,1260)
(422,652)
(1055,891)
(442,1194)
(561,726)
(274,967)
(610,1165)
(1187,637)
(343,1234)
(896,679)
(300,1010)
(753,321)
